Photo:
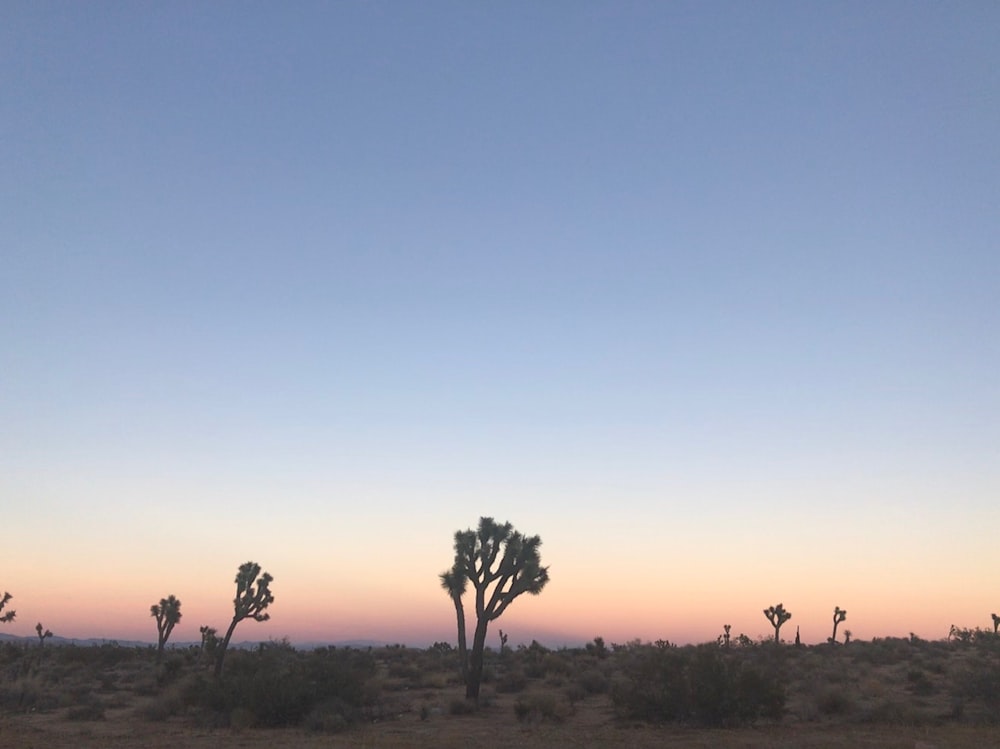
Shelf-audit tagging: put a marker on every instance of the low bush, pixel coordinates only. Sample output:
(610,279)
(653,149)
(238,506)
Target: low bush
(697,685)
(279,687)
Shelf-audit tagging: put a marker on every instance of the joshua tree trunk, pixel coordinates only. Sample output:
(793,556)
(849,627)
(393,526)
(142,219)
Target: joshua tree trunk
(222,648)
(463,648)
(476,661)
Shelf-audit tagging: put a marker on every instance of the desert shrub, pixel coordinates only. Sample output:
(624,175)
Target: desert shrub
(87,710)
(279,687)
(593,681)
(886,651)
(978,686)
(329,717)
(918,683)
(834,702)
(512,680)
(702,686)
(575,693)
(538,707)
(533,659)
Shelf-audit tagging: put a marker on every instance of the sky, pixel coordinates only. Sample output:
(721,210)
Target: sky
(706,295)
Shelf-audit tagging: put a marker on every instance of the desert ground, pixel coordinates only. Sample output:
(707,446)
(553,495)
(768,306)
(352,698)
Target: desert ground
(885,693)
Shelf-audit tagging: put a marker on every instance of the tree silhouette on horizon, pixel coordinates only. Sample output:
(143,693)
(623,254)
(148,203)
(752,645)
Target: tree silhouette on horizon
(253,596)
(167,613)
(9,616)
(501,564)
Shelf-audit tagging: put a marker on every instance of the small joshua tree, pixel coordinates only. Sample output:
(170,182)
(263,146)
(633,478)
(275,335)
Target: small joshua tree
(503,642)
(996,623)
(42,634)
(847,636)
(725,634)
(9,616)
(777,616)
(839,615)
(167,613)
(253,596)
(209,641)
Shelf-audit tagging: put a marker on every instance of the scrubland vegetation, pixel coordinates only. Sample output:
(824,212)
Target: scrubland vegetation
(633,694)
(734,691)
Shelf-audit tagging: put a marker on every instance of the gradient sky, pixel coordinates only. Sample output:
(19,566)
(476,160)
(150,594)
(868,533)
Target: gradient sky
(707,295)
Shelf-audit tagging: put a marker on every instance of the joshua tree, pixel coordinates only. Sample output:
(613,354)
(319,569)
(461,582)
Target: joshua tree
(209,641)
(503,643)
(42,634)
(725,635)
(839,615)
(249,603)
(167,613)
(502,564)
(777,616)
(9,616)
(996,622)
(847,636)
(454,581)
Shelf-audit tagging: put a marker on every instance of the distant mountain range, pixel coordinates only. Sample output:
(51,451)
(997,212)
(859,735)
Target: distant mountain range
(245,645)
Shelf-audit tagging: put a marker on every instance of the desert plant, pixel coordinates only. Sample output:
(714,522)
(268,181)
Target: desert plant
(777,616)
(699,685)
(839,615)
(597,647)
(253,596)
(167,613)
(502,564)
(996,623)
(9,616)
(42,634)
(454,582)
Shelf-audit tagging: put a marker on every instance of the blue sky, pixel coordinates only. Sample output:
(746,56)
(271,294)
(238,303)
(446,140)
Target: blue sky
(633,276)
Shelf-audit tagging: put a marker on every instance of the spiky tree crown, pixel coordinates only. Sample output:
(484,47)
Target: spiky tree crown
(167,612)
(251,600)
(9,616)
(495,554)
(777,614)
(839,614)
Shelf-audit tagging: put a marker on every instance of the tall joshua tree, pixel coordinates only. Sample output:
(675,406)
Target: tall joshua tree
(42,634)
(839,615)
(9,616)
(253,595)
(777,616)
(501,564)
(167,613)
(454,582)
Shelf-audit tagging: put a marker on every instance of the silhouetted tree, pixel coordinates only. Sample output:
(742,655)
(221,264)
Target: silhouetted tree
(9,616)
(252,597)
(996,622)
(501,564)
(454,581)
(209,641)
(167,613)
(847,636)
(725,634)
(42,634)
(777,616)
(839,615)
